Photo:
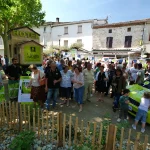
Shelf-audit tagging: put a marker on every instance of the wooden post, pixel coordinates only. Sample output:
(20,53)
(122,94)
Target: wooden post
(128,144)
(24,112)
(47,125)
(7,118)
(42,129)
(94,131)
(33,119)
(100,135)
(88,128)
(64,128)
(136,143)
(121,138)
(82,131)
(29,118)
(76,128)
(61,129)
(17,115)
(70,123)
(52,126)
(145,142)
(111,138)
(39,123)
(20,117)
(3,113)
(1,123)
(13,110)
(57,127)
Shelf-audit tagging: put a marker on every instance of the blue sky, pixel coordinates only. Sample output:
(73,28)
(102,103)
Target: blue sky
(116,10)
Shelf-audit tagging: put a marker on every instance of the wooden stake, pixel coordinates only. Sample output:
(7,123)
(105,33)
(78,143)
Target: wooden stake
(3,113)
(24,112)
(76,128)
(136,143)
(82,131)
(64,127)
(17,115)
(47,125)
(57,127)
(70,123)
(1,122)
(94,132)
(100,135)
(88,128)
(29,118)
(33,119)
(121,138)
(39,123)
(145,142)
(52,126)
(7,118)
(61,129)
(20,117)
(128,144)
(42,129)
(13,118)
(111,138)
(10,114)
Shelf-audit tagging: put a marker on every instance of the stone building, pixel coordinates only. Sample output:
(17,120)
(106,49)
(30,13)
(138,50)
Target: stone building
(117,39)
(66,33)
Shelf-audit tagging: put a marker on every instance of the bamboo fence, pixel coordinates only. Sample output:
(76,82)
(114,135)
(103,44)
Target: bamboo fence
(57,127)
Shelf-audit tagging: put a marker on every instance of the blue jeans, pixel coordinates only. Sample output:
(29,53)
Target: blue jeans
(51,95)
(79,94)
(116,100)
(141,115)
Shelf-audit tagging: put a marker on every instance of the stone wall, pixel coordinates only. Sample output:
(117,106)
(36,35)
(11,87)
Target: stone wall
(118,34)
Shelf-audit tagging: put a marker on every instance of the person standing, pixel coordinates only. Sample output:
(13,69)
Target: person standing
(88,74)
(37,91)
(78,84)
(142,111)
(140,75)
(13,71)
(118,85)
(66,84)
(133,74)
(101,83)
(61,65)
(53,79)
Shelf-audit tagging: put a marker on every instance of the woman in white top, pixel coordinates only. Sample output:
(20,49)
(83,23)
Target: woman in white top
(37,91)
(78,84)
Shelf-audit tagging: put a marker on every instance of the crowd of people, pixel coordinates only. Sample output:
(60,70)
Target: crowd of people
(80,79)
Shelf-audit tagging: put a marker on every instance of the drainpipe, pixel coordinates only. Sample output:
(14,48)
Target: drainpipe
(143,41)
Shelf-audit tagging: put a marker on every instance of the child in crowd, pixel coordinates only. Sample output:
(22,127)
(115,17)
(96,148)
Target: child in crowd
(124,102)
(142,111)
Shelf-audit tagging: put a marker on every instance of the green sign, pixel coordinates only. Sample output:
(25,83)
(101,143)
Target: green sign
(32,54)
(25,34)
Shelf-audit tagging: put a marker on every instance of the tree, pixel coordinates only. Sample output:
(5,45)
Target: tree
(76,46)
(17,13)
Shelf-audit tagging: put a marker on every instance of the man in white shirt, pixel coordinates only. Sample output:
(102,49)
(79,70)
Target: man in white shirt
(88,81)
(133,74)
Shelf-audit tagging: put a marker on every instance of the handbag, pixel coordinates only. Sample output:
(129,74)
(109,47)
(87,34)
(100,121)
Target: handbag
(41,80)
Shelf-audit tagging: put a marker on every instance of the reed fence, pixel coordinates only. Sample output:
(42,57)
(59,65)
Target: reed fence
(62,129)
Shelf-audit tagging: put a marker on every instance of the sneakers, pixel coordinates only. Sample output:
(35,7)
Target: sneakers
(118,120)
(142,130)
(134,127)
(80,109)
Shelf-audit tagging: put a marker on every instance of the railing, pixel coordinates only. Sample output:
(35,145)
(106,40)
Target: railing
(58,128)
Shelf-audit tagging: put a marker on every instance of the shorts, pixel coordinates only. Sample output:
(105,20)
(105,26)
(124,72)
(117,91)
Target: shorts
(66,92)
(141,115)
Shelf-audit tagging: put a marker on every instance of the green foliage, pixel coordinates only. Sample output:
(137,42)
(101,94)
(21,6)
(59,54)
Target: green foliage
(76,46)
(23,141)
(17,13)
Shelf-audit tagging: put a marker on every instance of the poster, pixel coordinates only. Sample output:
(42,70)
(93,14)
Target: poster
(24,90)
(2,94)
(32,54)
(13,87)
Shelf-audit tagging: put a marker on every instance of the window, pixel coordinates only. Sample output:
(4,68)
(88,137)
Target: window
(44,29)
(80,29)
(110,31)
(129,29)
(66,43)
(128,41)
(65,30)
(15,50)
(1,41)
(149,38)
(79,41)
(109,42)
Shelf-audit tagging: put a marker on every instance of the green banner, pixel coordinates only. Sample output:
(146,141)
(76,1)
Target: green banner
(32,54)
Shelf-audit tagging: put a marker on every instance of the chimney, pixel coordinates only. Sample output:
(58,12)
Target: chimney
(57,20)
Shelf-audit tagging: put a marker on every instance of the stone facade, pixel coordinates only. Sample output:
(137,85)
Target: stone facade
(118,33)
